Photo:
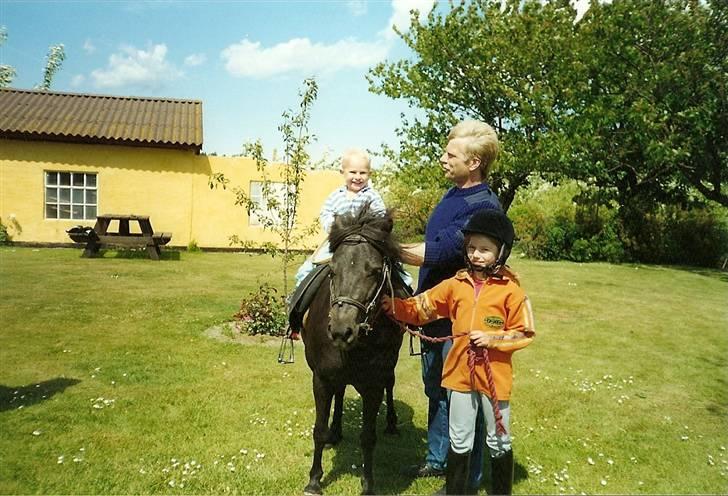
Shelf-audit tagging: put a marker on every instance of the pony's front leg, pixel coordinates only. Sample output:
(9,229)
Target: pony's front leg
(322,396)
(371,401)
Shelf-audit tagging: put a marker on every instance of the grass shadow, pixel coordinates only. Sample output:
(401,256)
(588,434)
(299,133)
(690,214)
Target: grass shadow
(391,454)
(12,398)
(718,274)
(141,253)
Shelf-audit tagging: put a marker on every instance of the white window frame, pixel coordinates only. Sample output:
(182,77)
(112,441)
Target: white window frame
(77,200)
(262,211)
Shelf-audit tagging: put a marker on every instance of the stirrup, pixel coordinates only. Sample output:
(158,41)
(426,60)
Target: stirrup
(285,352)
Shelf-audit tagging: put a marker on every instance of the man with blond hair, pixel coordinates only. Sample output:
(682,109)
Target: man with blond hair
(468,158)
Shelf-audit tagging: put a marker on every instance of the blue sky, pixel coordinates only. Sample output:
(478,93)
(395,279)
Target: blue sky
(245,60)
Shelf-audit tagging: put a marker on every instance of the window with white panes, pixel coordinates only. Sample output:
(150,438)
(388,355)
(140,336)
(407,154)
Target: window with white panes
(263,213)
(70,195)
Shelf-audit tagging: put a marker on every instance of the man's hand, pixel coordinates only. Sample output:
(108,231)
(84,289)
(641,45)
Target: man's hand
(413,253)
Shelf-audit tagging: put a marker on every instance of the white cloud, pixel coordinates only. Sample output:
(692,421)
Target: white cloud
(195,59)
(77,80)
(133,67)
(357,7)
(88,47)
(250,59)
(401,15)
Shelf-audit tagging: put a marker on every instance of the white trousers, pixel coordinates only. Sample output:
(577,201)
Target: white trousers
(464,409)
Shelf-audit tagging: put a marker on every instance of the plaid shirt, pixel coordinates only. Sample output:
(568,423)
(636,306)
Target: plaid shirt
(338,204)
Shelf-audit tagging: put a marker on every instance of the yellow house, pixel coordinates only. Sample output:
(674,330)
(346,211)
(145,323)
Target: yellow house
(65,158)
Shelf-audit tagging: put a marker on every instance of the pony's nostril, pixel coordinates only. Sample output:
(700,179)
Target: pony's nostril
(348,335)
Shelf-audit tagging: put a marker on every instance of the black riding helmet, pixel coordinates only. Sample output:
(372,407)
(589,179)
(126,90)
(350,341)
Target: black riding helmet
(497,225)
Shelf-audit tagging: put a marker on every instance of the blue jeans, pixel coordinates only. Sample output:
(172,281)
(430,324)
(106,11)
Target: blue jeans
(438,438)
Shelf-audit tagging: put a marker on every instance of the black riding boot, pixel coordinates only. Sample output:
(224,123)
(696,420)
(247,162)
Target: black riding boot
(502,474)
(458,469)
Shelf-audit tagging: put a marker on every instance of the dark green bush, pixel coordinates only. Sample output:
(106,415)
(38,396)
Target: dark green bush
(567,223)
(262,312)
(4,236)
(684,236)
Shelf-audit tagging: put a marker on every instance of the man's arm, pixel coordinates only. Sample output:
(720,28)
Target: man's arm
(413,253)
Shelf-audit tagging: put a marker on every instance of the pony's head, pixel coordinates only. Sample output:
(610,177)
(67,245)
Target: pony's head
(364,253)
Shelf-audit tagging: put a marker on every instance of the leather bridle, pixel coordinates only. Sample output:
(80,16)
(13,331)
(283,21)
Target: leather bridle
(369,308)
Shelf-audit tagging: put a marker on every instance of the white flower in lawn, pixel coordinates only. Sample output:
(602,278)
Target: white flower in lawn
(603,482)
(77,459)
(590,461)
(37,432)
(684,438)
(171,483)
(60,459)
(610,461)
(247,467)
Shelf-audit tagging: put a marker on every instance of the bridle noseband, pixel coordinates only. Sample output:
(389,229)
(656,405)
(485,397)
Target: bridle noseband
(386,280)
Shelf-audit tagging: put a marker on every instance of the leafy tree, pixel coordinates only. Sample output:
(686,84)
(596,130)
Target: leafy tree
(54,59)
(278,210)
(650,118)
(510,67)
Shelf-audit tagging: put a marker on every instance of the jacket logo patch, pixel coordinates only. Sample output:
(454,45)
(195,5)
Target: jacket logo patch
(494,321)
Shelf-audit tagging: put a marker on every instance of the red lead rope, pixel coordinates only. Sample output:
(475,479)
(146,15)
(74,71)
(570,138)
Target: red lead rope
(476,356)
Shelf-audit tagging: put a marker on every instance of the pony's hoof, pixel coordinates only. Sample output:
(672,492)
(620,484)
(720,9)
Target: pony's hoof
(312,490)
(391,430)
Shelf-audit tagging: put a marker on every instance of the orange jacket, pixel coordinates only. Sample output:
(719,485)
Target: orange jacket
(501,310)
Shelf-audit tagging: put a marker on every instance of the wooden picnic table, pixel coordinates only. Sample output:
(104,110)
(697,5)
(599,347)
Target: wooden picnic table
(124,237)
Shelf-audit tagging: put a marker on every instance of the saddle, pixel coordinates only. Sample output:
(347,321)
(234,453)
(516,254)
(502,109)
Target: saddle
(303,295)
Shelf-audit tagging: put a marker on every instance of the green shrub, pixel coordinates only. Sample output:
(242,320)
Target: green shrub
(5,238)
(262,312)
(192,246)
(684,236)
(568,222)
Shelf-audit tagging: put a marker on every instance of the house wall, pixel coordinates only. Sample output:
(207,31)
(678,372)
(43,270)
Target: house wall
(171,186)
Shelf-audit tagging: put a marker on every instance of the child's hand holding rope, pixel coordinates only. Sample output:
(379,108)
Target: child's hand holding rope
(387,305)
(481,339)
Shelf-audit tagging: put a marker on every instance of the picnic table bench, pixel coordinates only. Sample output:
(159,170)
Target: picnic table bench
(100,235)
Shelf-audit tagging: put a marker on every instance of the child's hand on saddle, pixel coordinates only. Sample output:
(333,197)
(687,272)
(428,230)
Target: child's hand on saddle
(387,305)
(480,339)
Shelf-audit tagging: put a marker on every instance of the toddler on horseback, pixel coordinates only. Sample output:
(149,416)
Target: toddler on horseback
(487,305)
(349,198)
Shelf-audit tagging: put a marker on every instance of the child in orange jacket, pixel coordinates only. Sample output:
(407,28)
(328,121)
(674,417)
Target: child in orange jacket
(491,318)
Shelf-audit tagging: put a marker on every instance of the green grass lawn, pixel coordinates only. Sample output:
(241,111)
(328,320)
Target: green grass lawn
(109,385)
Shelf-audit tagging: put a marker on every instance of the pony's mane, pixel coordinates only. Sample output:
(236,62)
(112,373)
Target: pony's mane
(375,227)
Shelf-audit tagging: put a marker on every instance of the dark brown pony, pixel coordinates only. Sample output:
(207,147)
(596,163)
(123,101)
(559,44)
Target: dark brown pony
(348,339)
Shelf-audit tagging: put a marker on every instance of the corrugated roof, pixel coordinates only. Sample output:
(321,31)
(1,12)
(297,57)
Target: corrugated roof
(75,117)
